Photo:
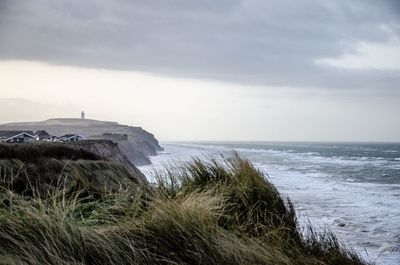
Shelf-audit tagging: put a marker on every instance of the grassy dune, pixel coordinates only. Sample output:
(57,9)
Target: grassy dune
(40,168)
(199,213)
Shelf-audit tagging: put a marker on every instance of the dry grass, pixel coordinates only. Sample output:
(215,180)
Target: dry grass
(199,213)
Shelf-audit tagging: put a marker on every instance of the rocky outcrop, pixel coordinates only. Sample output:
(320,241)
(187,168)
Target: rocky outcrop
(137,144)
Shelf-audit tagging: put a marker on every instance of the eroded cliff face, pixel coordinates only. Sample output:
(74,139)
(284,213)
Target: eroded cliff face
(110,151)
(137,145)
(130,150)
(93,165)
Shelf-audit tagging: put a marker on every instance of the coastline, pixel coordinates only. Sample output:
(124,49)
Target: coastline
(320,189)
(221,212)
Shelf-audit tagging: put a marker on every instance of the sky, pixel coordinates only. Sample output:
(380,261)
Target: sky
(248,70)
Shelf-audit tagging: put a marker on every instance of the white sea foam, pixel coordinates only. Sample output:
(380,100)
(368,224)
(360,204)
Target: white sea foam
(365,216)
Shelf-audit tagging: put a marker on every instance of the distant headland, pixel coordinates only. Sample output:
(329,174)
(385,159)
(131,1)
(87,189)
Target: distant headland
(136,143)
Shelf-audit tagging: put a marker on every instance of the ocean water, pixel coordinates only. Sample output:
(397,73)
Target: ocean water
(350,189)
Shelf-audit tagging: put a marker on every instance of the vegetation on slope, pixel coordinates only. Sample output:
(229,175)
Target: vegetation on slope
(142,141)
(33,152)
(43,168)
(199,213)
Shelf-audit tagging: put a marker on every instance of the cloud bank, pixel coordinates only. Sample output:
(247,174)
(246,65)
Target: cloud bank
(256,42)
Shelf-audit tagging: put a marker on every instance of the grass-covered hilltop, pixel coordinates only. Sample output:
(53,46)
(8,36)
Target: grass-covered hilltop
(65,205)
(136,143)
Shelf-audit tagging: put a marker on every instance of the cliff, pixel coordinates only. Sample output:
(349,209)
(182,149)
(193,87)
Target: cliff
(137,145)
(92,165)
(131,150)
(109,151)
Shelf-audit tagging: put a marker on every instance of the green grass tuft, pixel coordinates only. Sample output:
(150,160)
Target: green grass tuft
(199,213)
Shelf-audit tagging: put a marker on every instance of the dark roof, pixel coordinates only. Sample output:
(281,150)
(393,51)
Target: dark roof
(8,134)
(42,134)
(69,135)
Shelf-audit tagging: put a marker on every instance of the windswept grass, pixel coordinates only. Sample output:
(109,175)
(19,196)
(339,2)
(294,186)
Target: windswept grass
(199,213)
(33,152)
(47,167)
(49,175)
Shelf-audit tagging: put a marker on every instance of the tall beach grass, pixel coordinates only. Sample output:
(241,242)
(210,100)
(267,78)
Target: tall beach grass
(198,213)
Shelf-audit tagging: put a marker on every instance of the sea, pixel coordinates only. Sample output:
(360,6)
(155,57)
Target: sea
(351,189)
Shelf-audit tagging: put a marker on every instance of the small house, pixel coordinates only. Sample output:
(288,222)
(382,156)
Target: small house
(42,135)
(17,137)
(71,138)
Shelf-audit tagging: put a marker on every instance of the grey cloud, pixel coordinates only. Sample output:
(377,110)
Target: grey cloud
(253,42)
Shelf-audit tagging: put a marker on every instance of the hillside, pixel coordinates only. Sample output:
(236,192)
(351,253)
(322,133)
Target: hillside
(129,149)
(44,167)
(198,213)
(137,144)
(107,150)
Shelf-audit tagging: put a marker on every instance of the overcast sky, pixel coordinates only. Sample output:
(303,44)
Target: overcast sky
(319,70)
